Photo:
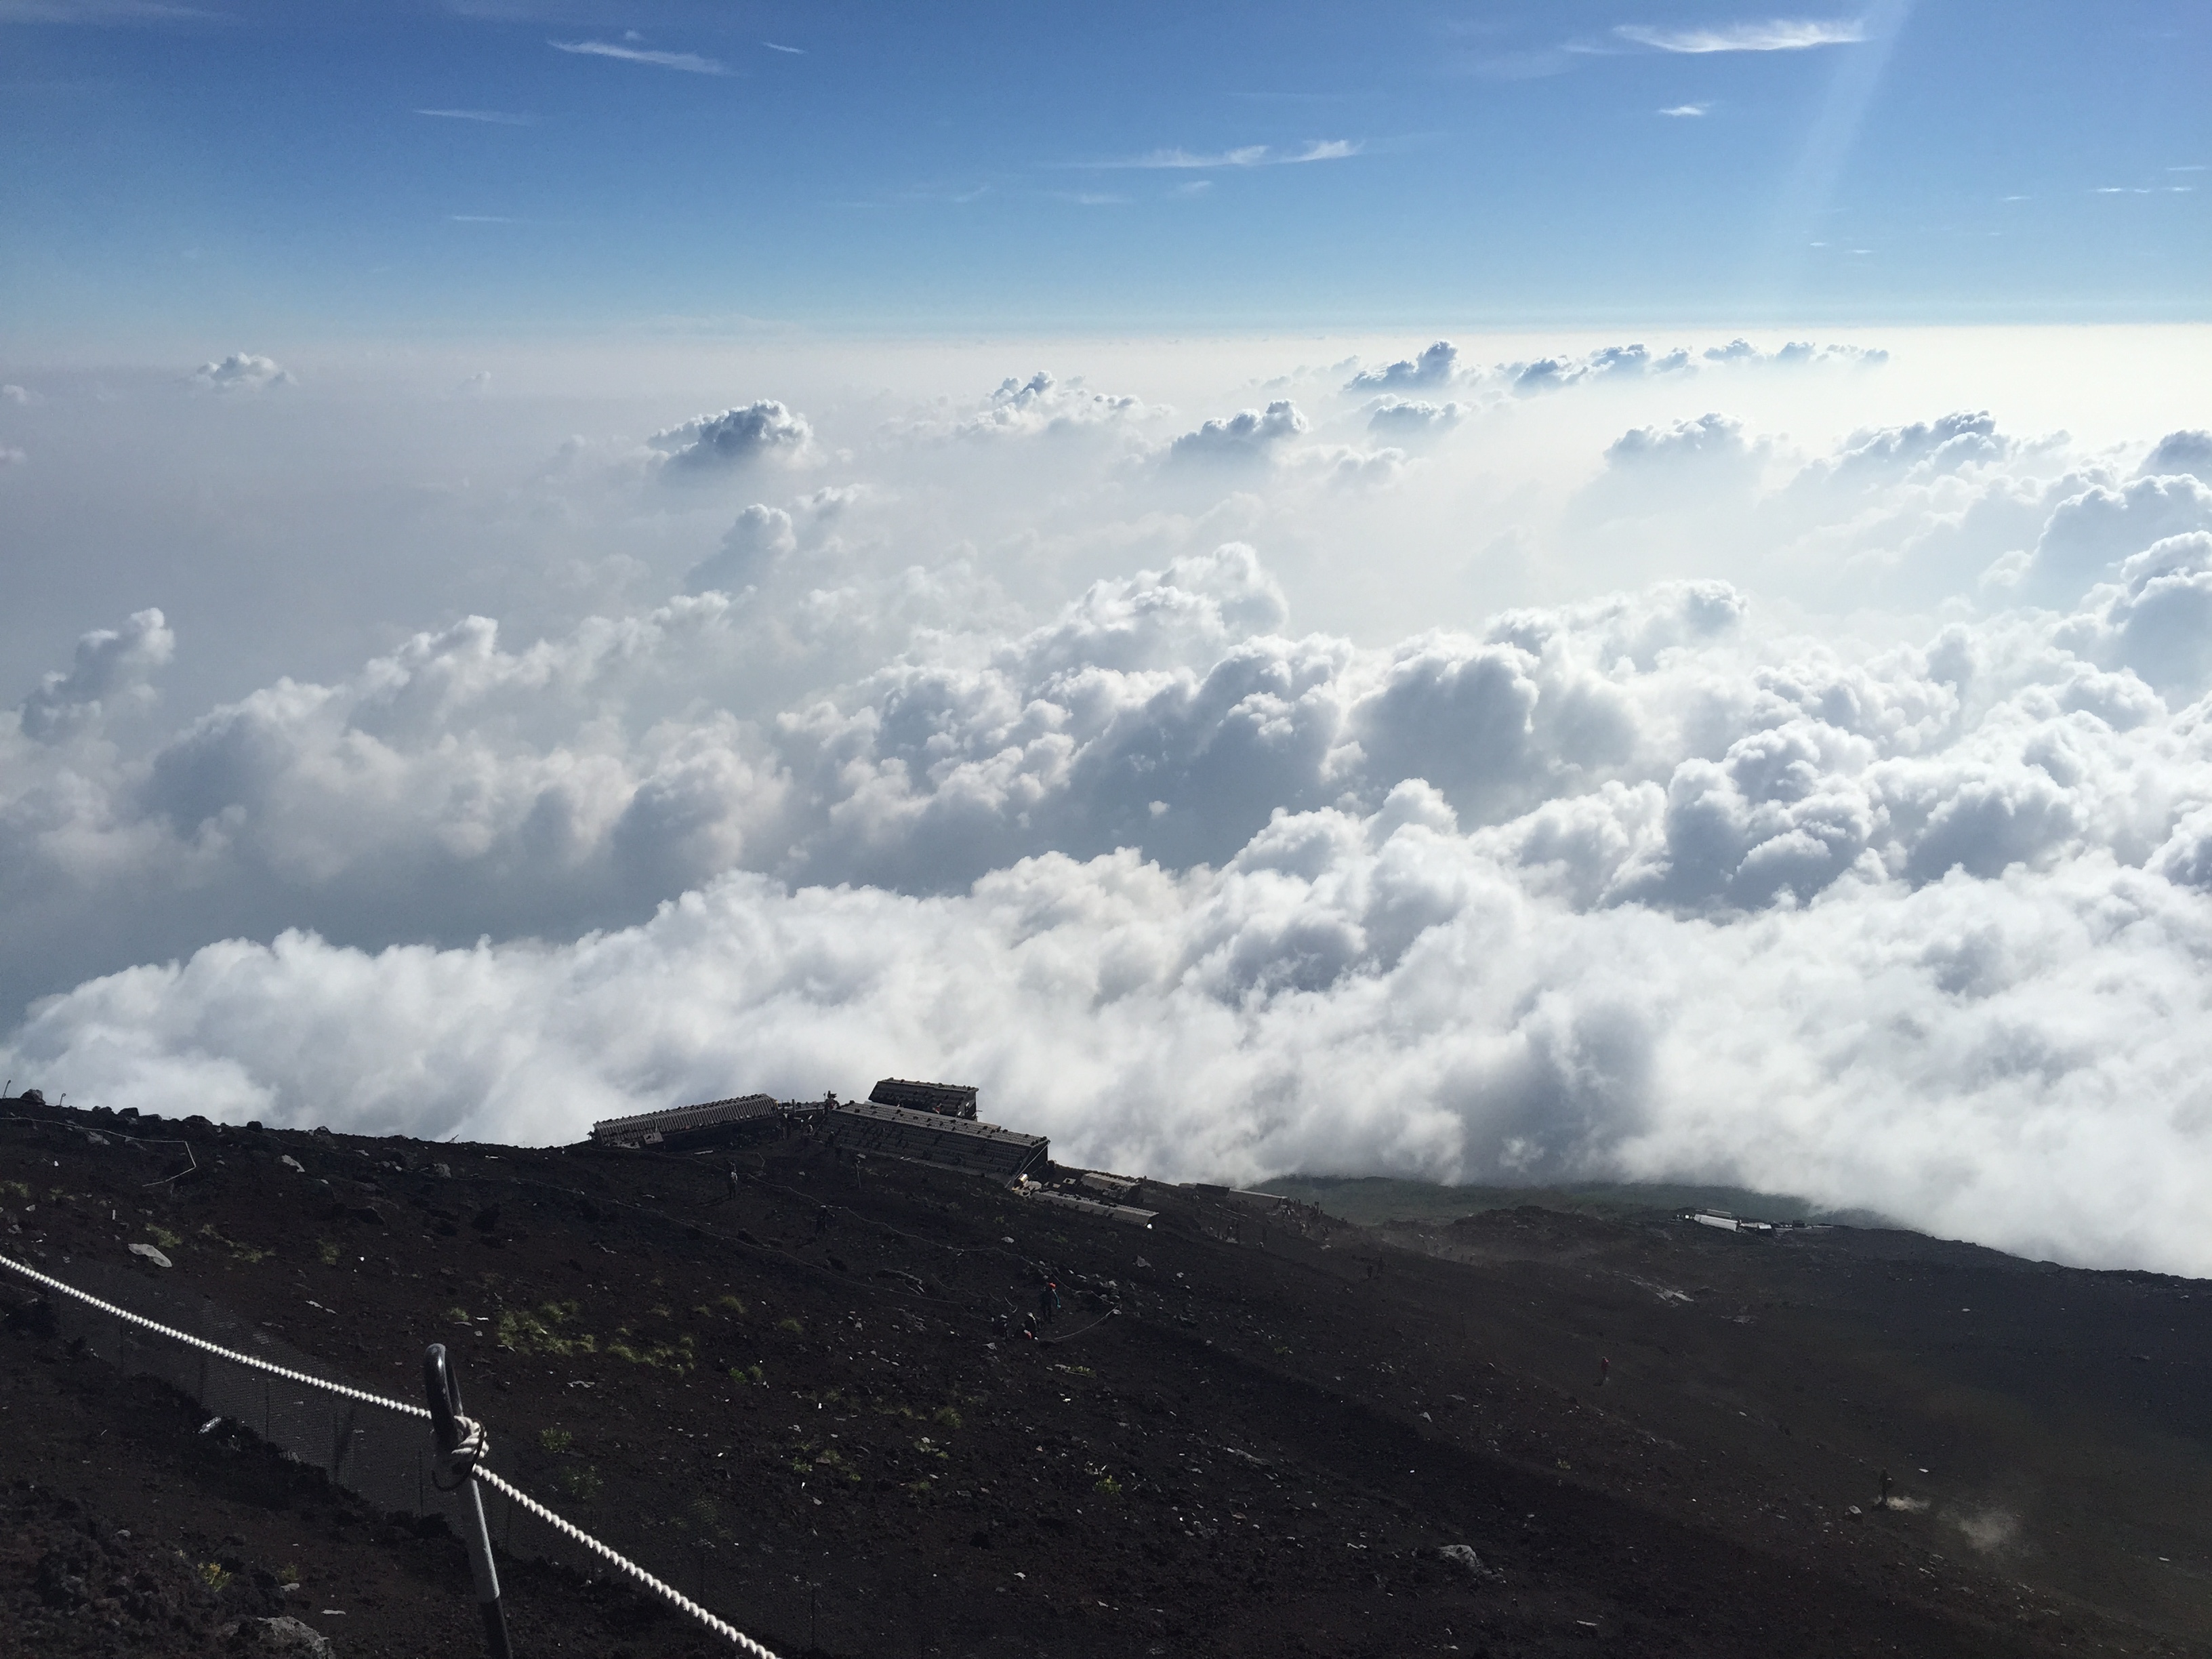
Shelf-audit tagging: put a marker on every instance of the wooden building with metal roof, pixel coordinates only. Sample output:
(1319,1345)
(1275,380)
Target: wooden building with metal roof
(951,1143)
(945,1099)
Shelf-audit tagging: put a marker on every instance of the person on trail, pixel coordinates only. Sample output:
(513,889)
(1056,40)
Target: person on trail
(821,1219)
(732,1175)
(1049,1301)
(1885,1489)
(1029,1328)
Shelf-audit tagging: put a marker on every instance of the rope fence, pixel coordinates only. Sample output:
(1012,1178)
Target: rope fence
(376,1446)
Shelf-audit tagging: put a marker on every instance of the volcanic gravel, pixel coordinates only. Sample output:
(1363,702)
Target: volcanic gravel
(1251,1428)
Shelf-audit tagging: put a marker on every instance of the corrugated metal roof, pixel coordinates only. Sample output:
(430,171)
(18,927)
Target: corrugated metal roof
(926,1137)
(948,1099)
(735,1109)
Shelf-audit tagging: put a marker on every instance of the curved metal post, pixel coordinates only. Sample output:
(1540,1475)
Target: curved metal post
(443,1391)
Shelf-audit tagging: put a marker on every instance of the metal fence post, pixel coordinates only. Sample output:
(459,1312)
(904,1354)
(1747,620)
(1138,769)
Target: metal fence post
(444,1391)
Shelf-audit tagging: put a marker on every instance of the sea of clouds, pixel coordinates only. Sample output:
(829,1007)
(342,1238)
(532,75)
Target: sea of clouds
(1615,762)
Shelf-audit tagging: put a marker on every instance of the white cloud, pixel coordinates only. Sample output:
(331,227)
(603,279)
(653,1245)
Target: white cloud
(689,62)
(107,13)
(2188,451)
(733,439)
(1776,34)
(1686,111)
(1436,367)
(1592,786)
(1245,155)
(1250,434)
(795,52)
(242,371)
(487,117)
(1412,421)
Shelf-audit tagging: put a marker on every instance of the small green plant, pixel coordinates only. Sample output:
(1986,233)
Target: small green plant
(679,1357)
(749,1375)
(213,1575)
(1107,1486)
(246,1253)
(288,1575)
(556,1441)
(20,1188)
(929,1447)
(916,1488)
(788,1323)
(162,1237)
(944,1417)
(731,1304)
(327,1251)
(524,1332)
(580,1481)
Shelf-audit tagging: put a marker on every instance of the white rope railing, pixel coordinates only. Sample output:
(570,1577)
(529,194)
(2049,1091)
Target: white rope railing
(191,1341)
(674,1597)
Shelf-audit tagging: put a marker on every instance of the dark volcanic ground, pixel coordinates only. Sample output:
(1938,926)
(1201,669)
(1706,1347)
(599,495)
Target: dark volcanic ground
(1250,1431)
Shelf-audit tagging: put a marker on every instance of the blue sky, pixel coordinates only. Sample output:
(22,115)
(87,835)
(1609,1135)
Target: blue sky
(237,164)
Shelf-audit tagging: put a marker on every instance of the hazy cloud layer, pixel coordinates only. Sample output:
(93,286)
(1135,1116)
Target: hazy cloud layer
(997,741)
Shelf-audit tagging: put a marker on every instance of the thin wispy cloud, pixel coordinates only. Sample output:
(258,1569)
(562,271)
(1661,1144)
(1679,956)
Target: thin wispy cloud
(1686,111)
(491,117)
(479,219)
(1245,155)
(796,52)
(689,62)
(1775,35)
(106,13)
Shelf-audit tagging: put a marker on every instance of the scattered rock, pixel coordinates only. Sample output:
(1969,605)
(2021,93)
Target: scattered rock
(1463,1555)
(152,1256)
(282,1635)
(292,1163)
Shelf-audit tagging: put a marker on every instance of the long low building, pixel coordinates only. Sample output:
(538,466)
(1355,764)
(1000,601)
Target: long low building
(951,1143)
(709,1120)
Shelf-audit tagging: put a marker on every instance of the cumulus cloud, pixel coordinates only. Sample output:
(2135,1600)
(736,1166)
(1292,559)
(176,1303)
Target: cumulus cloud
(762,535)
(242,371)
(734,439)
(1040,405)
(1740,350)
(2189,451)
(112,665)
(1251,436)
(1408,422)
(1440,365)
(1435,367)
(1021,747)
